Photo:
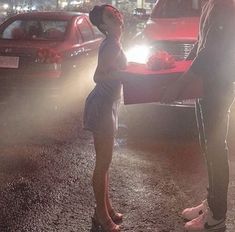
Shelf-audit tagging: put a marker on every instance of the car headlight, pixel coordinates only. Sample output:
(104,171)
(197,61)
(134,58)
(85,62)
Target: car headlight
(138,54)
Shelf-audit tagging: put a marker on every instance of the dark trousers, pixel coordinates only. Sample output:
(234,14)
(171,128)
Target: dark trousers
(212,113)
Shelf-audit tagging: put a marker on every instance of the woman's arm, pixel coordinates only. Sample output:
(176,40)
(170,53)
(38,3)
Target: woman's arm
(110,61)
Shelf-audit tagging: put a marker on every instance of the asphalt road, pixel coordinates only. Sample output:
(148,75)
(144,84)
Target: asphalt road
(46,163)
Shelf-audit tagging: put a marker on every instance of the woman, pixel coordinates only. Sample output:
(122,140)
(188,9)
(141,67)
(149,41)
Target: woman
(100,115)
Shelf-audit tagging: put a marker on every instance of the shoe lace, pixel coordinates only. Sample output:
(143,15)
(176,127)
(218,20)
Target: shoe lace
(202,218)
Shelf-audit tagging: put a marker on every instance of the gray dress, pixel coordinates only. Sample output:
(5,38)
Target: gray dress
(101,107)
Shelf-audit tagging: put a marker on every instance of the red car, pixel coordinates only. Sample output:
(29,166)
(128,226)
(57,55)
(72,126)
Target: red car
(172,27)
(45,50)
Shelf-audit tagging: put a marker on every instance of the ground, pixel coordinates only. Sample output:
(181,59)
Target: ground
(46,167)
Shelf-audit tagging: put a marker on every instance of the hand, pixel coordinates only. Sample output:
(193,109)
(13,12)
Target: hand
(172,92)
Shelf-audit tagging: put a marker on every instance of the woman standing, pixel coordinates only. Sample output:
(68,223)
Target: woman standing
(100,115)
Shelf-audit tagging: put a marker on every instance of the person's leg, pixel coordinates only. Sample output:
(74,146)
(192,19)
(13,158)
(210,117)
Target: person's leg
(112,123)
(116,217)
(215,118)
(104,149)
(200,127)
(193,212)
(214,109)
(201,117)
(202,124)
(108,201)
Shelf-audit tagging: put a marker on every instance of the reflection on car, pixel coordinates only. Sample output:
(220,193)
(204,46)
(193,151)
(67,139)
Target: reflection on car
(45,49)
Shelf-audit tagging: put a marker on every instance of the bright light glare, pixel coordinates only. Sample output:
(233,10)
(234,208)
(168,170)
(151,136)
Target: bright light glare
(64,4)
(18,8)
(25,8)
(5,6)
(138,54)
(74,2)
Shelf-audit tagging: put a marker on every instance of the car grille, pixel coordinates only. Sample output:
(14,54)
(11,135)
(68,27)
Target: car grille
(177,49)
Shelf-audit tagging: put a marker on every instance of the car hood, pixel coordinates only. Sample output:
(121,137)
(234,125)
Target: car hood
(177,29)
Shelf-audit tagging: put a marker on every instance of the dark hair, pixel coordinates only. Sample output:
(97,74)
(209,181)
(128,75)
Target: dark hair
(96,15)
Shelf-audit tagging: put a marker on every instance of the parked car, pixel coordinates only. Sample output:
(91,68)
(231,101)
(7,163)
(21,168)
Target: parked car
(44,51)
(2,17)
(172,27)
(140,13)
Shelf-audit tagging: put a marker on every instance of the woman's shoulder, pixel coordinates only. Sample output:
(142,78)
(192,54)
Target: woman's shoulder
(110,45)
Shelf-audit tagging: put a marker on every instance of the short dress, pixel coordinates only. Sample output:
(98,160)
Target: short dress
(101,106)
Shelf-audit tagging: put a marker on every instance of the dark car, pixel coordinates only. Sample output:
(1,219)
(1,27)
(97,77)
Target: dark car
(42,52)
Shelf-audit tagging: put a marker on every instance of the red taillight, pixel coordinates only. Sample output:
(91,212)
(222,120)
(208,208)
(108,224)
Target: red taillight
(48,56)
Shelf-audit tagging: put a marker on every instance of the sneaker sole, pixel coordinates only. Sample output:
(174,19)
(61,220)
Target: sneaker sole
(208,230)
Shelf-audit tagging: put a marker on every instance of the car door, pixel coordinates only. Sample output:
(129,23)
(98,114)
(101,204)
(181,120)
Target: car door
(85,44)
(91,39)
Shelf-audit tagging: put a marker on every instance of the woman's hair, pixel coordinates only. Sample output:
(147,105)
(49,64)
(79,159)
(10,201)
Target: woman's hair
(96,16)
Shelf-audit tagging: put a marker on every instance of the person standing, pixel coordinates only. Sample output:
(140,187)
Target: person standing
(214,64)
(100,114)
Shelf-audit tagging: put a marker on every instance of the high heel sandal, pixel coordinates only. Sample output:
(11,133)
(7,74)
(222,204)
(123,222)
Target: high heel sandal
(108,226)
(116,217)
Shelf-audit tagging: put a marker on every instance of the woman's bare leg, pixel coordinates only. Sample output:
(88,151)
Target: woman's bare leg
(108,201)
(116,216)
(104,149)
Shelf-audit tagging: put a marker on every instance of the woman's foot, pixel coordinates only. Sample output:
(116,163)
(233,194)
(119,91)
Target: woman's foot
(116,217)
(104,226)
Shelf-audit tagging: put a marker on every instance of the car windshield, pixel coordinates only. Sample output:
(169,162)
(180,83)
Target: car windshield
(35,29)
(176,8)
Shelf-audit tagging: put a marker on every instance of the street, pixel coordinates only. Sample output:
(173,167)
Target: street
(46,164)
(47,159)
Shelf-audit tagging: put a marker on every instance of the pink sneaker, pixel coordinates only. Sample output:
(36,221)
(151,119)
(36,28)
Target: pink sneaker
(205,223)
(191,213)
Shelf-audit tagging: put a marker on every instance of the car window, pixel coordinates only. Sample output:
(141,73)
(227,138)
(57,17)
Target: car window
(176,8)
(79,36)
(97,32)
(8,32)
(35,29)
(85,29)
